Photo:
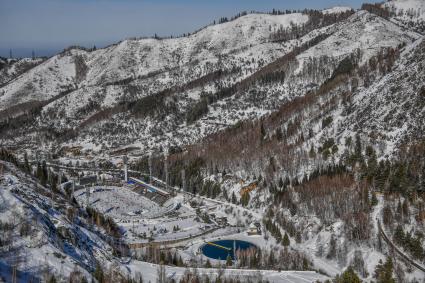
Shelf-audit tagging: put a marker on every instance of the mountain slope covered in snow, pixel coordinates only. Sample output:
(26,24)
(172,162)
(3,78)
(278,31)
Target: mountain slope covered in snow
(137,91)
(309,122)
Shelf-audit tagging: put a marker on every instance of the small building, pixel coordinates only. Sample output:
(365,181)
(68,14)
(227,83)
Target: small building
(150,188)
(254,229)
(221,221)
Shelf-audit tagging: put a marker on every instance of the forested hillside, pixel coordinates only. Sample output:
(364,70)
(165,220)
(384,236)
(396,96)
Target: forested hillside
(309,125)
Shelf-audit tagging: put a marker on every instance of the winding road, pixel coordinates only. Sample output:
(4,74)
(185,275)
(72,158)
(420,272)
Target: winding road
(376,216)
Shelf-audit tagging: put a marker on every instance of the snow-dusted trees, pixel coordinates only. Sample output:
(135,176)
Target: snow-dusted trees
(410,243)
(276,258)
(384,271)
(377,9)
(157,255)
(317,19)
(348,276)
(106,222)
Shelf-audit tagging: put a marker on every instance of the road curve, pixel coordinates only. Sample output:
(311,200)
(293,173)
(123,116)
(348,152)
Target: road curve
(392,245)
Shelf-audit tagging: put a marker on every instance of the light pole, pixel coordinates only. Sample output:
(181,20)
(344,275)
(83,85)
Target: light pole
(150,168)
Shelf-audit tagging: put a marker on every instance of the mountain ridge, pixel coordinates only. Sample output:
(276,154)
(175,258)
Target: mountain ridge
(141,87)
(301,133)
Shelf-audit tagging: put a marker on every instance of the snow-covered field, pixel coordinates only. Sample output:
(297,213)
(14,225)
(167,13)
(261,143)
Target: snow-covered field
(143,219)
(121,203)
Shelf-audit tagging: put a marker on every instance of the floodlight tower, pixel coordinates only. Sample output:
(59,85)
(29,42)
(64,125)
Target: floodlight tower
(166,169)
(234,252)
(150,168)
(96,165)
(37,164)
(183,172)
(87,196)
(73,189)
(125,160)
(59,183)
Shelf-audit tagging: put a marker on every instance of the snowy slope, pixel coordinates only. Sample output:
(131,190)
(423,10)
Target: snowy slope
(393,107)
(385,106)
(12,68)
(375,33)
(413,10)
(44,242)
(41,82)
(363,31)
(336,10)
(409,13)
(135,69)
(51,243)
(138,58)
(141,57)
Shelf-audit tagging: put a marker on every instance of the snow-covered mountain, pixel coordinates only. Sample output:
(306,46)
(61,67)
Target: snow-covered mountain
(81,95)
(12,68)
(48,241)
(243,39)
(283,106)
(410,13)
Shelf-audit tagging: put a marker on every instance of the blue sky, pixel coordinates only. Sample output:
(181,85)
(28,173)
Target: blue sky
(48,26)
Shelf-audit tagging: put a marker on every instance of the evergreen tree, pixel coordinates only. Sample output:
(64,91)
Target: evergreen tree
(398,179)
(281,182)
(332,248)
(374,199)
(372,163)
(422,187)
(279,135)
(384,272)
(27,167)
(44,174)
(229,261)
(285,241)
(234,199)
(271,260)
(52,279)
(399,235)
(358,149)
(262,131)
(53,184)
(349,276)
(180,261)
(381,176)
(312,153)
(39,172)
(405,208)
(245,199)
(98,273)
